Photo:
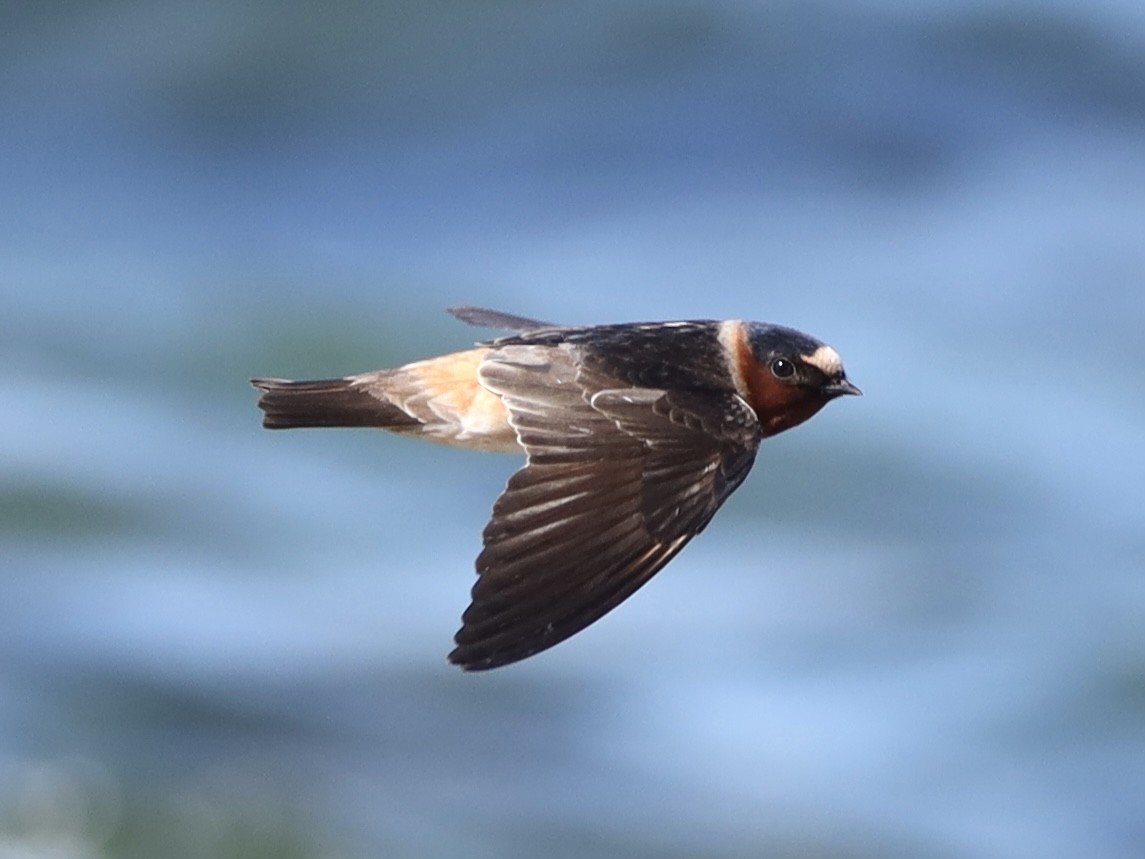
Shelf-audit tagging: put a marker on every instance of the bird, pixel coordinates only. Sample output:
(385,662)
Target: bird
(634,435)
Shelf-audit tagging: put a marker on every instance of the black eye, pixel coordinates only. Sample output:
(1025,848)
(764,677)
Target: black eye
(782,368)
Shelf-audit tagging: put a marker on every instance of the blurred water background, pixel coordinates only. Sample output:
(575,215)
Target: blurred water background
(916,631)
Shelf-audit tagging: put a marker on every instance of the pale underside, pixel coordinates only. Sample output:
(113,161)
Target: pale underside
(444,394)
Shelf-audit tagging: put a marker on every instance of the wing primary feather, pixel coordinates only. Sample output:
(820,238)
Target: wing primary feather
(505,558)
(528,606)
(525,617)
(483,317)
(507,643)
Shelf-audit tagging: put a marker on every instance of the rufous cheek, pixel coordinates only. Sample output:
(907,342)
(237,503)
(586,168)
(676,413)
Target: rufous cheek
(778,406)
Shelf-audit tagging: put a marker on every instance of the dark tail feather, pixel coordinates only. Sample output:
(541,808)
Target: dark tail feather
(325,403)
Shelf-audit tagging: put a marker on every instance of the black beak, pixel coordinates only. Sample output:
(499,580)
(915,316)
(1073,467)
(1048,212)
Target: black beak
(840,388)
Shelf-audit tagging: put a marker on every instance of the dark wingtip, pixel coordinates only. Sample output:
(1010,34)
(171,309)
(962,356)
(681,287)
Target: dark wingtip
(470,658)
(457,657)
(267,384)
(483,317)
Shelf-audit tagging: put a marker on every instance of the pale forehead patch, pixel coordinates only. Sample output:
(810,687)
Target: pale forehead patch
(826,359)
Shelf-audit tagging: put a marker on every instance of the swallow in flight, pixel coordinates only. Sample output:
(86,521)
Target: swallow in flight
(633,435)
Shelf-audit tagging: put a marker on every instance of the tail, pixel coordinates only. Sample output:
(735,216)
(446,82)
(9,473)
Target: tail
(326,403)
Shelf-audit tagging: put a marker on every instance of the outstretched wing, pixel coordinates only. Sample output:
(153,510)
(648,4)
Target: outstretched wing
(617,480)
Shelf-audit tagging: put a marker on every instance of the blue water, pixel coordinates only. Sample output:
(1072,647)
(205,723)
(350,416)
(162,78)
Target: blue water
(917,630)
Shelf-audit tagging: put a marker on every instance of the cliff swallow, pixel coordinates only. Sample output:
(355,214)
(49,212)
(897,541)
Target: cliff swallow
(633,436)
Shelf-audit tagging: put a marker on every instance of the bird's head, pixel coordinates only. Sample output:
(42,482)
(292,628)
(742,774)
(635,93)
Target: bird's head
(790,376)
